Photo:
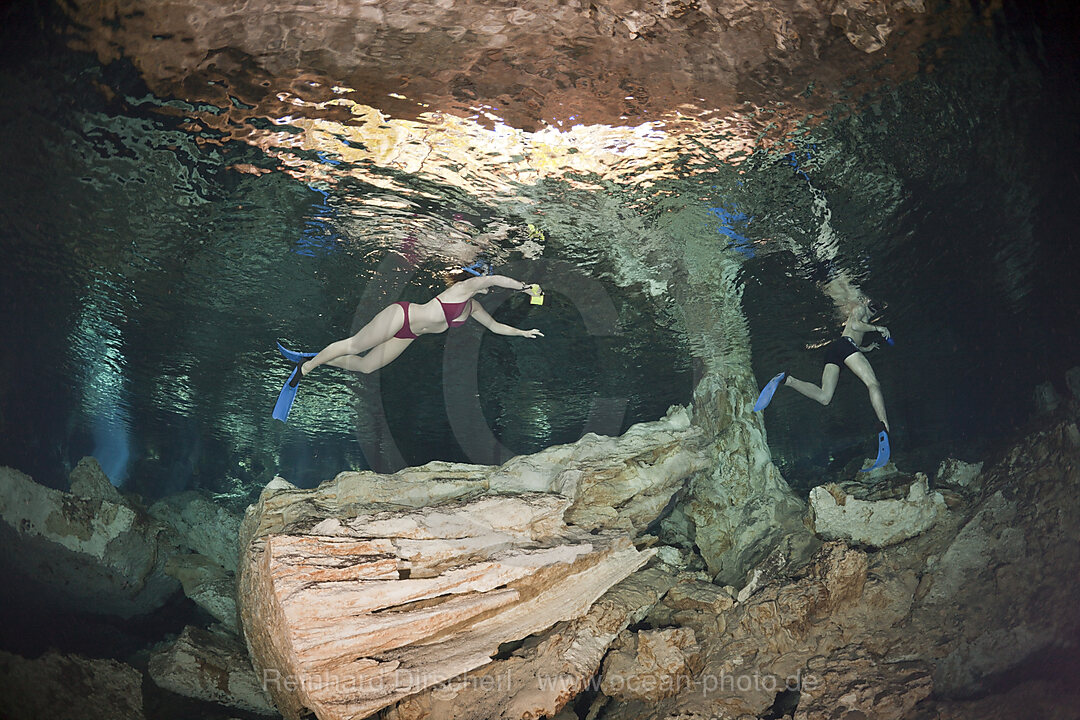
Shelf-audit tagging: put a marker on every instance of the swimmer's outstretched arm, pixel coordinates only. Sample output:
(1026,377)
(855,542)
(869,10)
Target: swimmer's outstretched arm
(486,281)
(497,327)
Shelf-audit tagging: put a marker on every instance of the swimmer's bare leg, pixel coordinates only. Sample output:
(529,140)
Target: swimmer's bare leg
(823,394)
(865,372)
(380,329)
(379,356)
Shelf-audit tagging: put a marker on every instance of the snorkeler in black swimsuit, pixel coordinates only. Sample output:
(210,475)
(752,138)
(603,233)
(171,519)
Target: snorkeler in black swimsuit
(844,351)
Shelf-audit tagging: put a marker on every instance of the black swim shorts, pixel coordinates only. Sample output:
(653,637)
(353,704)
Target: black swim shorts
(838,350)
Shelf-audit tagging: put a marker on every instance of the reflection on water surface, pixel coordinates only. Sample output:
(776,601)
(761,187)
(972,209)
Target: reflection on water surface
(176,203)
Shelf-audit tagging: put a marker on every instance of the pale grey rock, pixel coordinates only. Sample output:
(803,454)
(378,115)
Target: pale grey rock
(88,481)
(84,554)
(835,515)
(202,525)
(210,666)
(959,474)
(208,585)
(623,481)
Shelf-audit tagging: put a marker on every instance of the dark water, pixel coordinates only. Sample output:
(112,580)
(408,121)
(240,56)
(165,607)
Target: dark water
(146,279)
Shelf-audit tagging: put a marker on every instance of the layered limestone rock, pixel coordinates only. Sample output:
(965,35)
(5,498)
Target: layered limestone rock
(69,687)
(547,671)
(620,481)
(352,612)
(874,522)
(623,481)
(95,551)
(212,667)
(851,683)
(372,588)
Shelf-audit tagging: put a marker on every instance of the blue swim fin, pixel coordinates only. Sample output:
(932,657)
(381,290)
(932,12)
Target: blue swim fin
(292,355)
(288,390)
(286,396)
(766,394)
(883,451)
(285,401)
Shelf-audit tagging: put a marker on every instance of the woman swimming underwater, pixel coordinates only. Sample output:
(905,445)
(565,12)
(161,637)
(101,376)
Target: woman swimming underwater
(395,327)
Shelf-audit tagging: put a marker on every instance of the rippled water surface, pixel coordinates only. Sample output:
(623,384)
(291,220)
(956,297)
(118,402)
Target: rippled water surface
(155,248)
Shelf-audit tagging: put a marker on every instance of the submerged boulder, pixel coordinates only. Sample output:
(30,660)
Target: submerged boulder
(201,525)
(208,585)
(350,613)
(89,481)
(876,523)
(209,666)
(373,588)
(94,553)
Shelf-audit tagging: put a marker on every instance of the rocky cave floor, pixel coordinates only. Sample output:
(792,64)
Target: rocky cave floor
(584,595)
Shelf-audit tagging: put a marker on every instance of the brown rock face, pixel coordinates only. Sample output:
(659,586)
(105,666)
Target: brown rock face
(983,599)
(349,614)
(530,63)
(651,665)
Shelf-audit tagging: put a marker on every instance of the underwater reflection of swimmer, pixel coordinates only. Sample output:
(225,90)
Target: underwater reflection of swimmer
(393,329)
(844,351)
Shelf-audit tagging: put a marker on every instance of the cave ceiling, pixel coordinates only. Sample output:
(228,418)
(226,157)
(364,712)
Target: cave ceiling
(755,69)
